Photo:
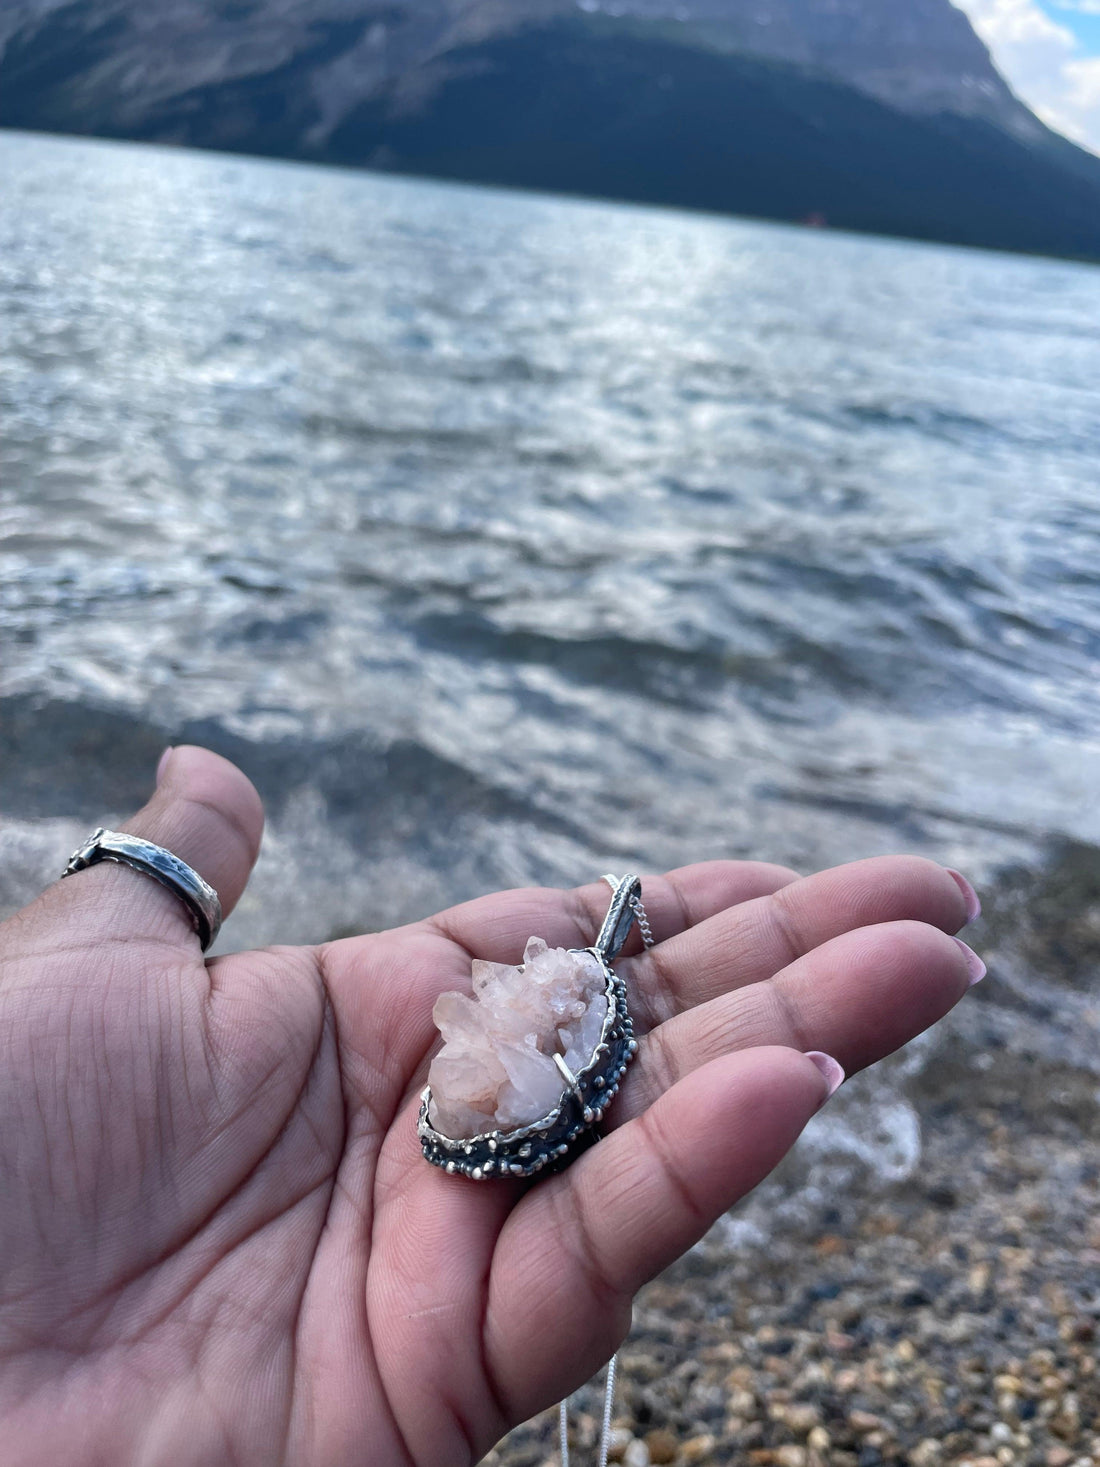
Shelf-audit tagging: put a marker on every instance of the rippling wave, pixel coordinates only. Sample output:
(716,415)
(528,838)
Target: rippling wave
(504,539)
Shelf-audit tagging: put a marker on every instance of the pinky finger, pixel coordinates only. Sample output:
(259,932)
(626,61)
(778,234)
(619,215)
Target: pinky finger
(573,1254)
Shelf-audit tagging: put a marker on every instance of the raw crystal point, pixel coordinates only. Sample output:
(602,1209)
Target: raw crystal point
(495,1071)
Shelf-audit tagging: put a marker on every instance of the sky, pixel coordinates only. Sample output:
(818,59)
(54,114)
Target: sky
(1049,53)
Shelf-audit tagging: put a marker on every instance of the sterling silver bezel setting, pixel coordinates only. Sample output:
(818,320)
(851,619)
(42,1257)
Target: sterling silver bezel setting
(553,1140)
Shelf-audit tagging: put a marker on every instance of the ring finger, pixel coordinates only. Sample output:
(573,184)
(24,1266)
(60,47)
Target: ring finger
(857,997)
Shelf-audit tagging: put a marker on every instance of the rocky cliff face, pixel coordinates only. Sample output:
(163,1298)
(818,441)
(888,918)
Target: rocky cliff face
(918,55)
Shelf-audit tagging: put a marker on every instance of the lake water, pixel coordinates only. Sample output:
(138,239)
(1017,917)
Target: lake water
(506,538)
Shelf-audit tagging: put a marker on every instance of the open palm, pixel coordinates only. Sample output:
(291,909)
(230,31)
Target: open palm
(219,1242)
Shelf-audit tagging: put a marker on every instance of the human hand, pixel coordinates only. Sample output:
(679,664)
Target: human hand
(219,1241)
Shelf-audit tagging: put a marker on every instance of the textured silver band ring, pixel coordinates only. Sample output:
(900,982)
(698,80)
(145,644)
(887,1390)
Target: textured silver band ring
(197,895)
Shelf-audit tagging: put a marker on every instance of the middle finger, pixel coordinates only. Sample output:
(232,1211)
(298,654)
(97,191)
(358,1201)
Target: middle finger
(755,939)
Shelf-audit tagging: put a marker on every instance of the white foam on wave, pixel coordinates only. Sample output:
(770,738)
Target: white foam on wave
(867,1138)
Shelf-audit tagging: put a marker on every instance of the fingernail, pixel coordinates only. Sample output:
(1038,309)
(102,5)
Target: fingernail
(974,963)
(832,1071)
(970,896)
(162,763)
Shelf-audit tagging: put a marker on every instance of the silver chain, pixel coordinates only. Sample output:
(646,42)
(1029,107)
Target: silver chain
(648,939)
(643,921)
(638,908)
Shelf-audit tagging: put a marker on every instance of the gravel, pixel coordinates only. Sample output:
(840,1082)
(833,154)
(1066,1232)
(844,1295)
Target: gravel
(951,1318)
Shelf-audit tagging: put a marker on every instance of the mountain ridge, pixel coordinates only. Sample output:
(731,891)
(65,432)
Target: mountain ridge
(923,56)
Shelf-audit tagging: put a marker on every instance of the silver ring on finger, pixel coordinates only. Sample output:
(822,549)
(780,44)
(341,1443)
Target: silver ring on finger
(197,895)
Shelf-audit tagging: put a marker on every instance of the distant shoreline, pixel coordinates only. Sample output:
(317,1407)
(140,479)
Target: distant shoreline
(643,206)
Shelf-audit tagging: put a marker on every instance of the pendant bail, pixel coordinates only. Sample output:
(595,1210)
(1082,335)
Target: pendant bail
(621,916)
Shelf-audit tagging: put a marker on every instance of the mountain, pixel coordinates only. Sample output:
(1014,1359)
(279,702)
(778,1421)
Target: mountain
(869,114)
(919,56)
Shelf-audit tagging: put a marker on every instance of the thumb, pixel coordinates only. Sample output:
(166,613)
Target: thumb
(208,814)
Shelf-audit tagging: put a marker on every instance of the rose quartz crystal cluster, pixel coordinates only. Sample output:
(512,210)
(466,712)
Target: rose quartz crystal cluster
(495,1071)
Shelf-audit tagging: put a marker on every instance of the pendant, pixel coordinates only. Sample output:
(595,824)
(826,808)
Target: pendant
(532,1061)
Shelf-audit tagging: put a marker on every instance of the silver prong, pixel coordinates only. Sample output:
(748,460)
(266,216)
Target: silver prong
(566,1073)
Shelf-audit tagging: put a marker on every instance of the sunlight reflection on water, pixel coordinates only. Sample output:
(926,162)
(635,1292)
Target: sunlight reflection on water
(506,539)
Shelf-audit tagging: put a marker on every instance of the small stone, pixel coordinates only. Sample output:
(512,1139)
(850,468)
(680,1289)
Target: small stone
(636,1454)
(663,1446)
(830,1246)
(978,1278)
(802,1417)
(863,1422)
(819,1440)
(790,1456)
(1065,1424)
(584,1426)
(618,1440)
(698,1448)
(1059,1457)
(1010,1384)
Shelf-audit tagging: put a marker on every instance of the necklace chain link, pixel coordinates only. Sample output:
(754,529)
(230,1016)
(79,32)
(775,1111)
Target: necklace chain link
(642,919)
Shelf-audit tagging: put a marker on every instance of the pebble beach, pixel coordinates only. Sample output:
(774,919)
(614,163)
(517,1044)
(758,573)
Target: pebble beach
(950,1319)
